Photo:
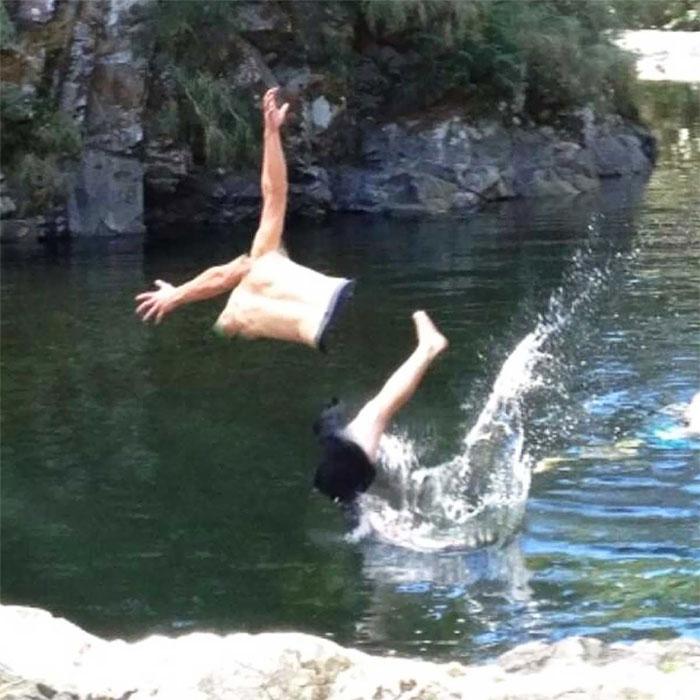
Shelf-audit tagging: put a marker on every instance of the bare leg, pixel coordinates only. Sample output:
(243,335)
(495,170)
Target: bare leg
(370,423)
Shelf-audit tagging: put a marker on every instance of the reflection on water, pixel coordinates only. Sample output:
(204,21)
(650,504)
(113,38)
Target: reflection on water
(159,479)
(453,586)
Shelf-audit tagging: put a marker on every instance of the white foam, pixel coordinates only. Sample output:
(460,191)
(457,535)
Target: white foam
(478,497)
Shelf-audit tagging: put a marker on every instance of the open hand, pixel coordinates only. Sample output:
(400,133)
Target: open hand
(273,115)
(157,303)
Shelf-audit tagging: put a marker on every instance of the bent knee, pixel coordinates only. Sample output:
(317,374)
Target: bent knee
(373,414)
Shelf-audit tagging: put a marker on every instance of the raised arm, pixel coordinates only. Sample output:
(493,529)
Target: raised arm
(273,180)
(210,283)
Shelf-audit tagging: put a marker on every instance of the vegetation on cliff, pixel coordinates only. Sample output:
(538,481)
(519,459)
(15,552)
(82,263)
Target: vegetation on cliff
(192,44)
(658,14)
(36,136)
(205,63)
(533,59)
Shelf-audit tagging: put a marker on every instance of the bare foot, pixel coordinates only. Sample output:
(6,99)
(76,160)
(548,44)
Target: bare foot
(429,336)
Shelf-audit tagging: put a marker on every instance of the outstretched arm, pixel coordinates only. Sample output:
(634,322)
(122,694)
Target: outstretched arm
(273,180)
(210,283)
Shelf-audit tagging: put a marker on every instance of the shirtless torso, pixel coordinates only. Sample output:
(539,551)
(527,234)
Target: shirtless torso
(272,297)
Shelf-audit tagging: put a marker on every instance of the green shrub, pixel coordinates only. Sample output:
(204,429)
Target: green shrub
(674,14)
(165,123)
(31,125)
(448,20)
(40,181)
(17,116)
(34,139)
(195,42)
(16,106)
(56,133)
(225,121)
(8,34)
(555,51)
(567,61)
(191,34)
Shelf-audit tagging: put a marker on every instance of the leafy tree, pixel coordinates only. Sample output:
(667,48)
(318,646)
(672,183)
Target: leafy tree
(557,52)
(8,34)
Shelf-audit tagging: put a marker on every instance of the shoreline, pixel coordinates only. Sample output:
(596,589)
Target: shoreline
(45,656)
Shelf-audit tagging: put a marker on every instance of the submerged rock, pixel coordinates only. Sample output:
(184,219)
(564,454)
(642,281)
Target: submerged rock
(46,657)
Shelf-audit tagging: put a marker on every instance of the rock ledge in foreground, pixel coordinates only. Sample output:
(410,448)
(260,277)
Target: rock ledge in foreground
(46,657)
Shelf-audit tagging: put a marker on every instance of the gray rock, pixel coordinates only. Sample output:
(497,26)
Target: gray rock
(296,80)
(256,17)
(7,206)
(422,167)
(322,113)
(16,230)
(310,192)
(117,85)
(345,159)
(36,11)
(88,22)
(618,154)
(107,196)
(433,194)
(547,182)
(484,181)
(43,657)
(463,202)
(251,71)
(166,164)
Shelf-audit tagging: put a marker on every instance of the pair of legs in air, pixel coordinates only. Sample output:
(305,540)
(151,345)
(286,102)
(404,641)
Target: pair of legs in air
(274,297)
(350,450)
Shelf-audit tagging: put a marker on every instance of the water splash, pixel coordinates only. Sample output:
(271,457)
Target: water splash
(478,497)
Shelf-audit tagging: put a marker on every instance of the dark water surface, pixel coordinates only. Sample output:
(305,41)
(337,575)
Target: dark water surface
(158,479)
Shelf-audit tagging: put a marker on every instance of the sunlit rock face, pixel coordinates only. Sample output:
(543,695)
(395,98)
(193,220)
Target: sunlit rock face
(43,656)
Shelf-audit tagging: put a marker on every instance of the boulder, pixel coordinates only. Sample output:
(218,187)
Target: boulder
(107,195)
(166,164)
(7,206)
(309,191)
(29,229)
(46,657)
(87,25)
(117,85)
(257,18)
(252,71)
(36,11)
(618,154)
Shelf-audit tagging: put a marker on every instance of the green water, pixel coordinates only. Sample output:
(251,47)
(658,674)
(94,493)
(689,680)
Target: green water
(159,479)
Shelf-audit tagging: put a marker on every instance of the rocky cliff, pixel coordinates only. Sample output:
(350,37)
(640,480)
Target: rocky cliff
(348,151)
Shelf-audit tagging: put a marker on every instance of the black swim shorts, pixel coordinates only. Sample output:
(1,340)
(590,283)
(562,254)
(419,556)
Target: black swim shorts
(344,470)
(338,300)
